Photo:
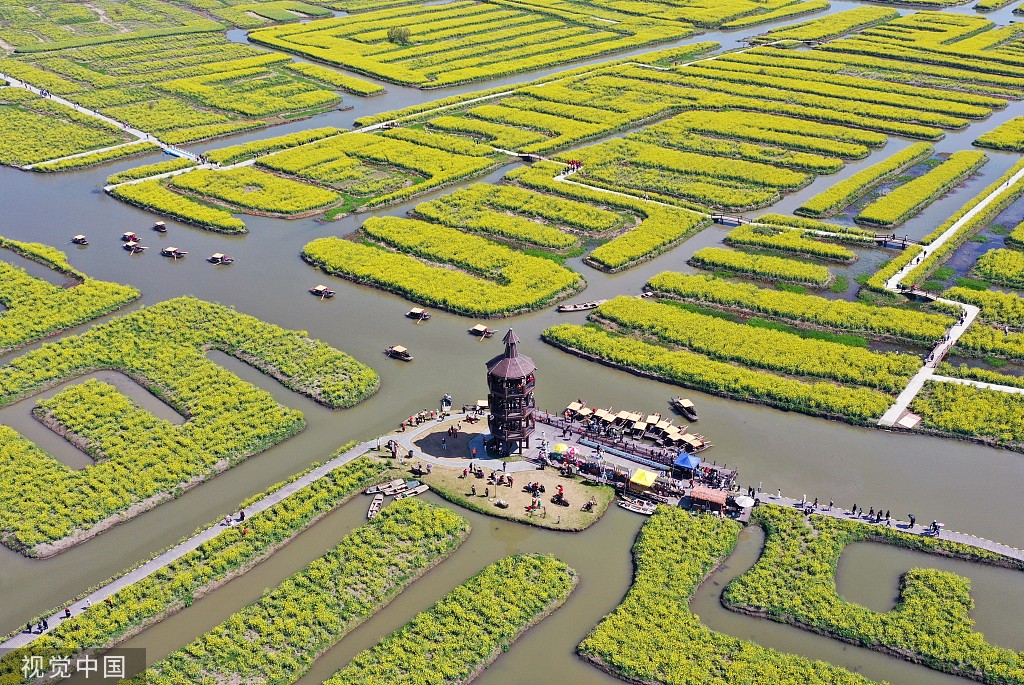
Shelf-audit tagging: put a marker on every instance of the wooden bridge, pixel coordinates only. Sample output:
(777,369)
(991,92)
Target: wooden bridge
(730,220)
(896,240)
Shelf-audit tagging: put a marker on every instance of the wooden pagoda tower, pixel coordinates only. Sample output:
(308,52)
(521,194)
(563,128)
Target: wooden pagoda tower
(510,385)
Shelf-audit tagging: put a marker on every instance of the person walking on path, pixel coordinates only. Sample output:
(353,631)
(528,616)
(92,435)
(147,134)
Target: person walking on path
(444,444)
(913,520)
(504,466)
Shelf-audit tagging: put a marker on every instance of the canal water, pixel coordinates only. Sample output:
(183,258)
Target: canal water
(971,488)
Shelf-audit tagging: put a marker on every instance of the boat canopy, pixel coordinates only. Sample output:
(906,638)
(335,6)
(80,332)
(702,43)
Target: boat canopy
(692,440)
(416,310)
(395,348)
(574,406)
(686,403)
(479,328)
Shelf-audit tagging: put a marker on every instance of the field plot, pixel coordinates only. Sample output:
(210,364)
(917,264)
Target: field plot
(910,198)
(445,268)
(250,14)
(1006,136)
(833,25)
(653,636)
(540,215)
(28,24)
(467,41)
(468,628)
(34,308)
(929,624)
(38,129)
(700,359)
(277,638)
(141,460)
(180,88)
(174,587)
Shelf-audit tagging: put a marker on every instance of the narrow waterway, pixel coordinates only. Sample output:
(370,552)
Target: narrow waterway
(772,448)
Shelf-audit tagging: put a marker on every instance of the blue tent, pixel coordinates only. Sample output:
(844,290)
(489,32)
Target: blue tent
(687,461)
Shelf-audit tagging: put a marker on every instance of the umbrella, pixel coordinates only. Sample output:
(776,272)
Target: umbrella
(743,501)
(572,451)
(561,448)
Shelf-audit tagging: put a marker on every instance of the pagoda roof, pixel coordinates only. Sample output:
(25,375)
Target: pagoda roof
(510,364)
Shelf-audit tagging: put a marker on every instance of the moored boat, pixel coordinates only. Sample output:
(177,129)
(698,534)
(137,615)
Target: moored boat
(374,489)
(581,306)
(412,492)
(401,487)
(636,505)
(399,352)
(375,506)
(684,407)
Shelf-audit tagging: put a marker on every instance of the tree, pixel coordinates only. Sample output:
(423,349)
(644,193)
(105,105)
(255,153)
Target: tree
(399,34)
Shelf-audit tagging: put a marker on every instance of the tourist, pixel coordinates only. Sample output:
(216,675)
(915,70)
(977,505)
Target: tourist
(778,493)
(241,516)
(473,489)
(504,466)
(886,514)
(245,529)
(831,503)
(510,481)
(67,612)
(28,627)
(465,473)
(429,467)
(227,519)
(815,505)
(46,624)
(444,444)
(487,492)
(913,520)
(871,513)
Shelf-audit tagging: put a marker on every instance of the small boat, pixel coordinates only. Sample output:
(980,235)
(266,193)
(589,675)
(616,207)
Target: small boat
(219,258)
(160,227)
(684,407)
(322,291)
(418,313)
(375,505)
(647,295)
(401,487)
(134,247)
(374,489)
(412,492)
(481,331)
(173,252)
(581,306)
(399,352)
(129,237)
(638,506)
(80,240)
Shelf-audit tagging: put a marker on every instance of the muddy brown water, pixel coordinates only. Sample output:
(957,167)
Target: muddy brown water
(969,487)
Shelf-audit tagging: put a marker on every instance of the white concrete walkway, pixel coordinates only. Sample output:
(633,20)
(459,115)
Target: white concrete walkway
(139,134)
(893,414)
